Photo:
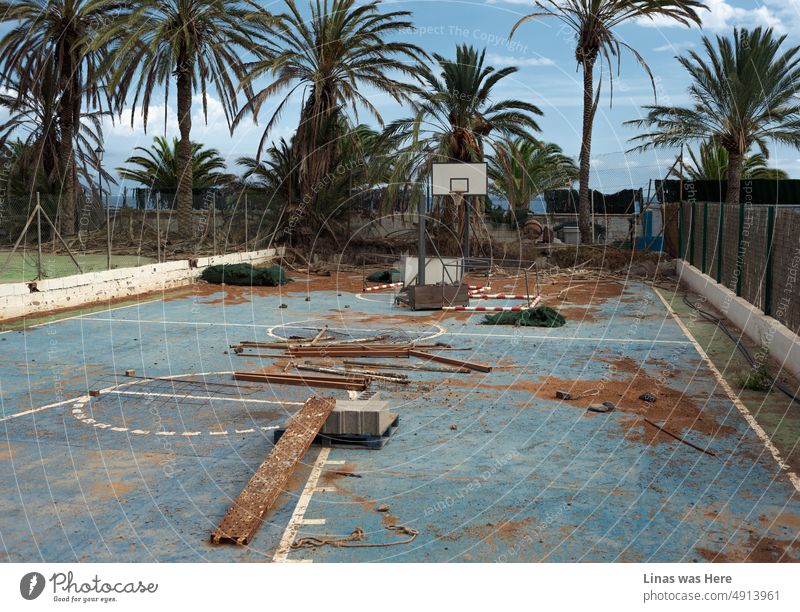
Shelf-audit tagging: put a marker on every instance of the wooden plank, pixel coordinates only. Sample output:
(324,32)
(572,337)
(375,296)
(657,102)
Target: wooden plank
(479,367)
(244,517)
(353,383)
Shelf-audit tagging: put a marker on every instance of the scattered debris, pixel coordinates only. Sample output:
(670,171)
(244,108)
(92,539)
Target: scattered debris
(602,408)
(130,372)
(355,539)
(648,396)
(454,426)
(565,395)
(382,508)
(679,438)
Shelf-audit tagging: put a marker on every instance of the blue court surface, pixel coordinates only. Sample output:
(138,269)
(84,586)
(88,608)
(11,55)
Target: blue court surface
(484,467)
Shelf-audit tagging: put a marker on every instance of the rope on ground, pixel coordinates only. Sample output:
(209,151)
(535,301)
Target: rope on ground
(355,539)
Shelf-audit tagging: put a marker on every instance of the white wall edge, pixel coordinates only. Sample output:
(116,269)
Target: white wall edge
(782,343)
(17,299)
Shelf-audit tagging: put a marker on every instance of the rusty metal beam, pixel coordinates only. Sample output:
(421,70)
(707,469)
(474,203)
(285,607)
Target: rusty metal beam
(479,367)
(350,383)
(244,517)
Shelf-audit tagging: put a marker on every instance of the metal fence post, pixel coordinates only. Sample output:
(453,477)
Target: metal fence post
(39,234)
(768,267)
(681,254)
(720,237)
(739,253)
(705,237)
(691,234)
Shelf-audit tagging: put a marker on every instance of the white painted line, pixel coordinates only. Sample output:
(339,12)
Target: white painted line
(102,425)
(171,323)
(269,427)
(165,433)
(140,432)
(762,435)
(203,397)
(217,433)
(87,314)
(240,431)
(290,533)
(334,462)
(119,429)
(524,336)
(35,410)
(191,433)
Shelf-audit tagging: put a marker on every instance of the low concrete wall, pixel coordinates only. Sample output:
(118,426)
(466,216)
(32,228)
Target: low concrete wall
(18,299)
(781,342)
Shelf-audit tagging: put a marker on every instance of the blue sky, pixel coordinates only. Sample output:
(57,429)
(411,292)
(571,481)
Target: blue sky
(544,53)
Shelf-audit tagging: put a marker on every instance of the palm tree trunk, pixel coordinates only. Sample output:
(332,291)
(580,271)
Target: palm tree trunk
(584,203)
(66,114)
(735,161)
(184,159)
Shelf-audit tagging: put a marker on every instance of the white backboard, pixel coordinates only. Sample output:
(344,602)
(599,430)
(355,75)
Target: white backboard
(467,179)
(444,270)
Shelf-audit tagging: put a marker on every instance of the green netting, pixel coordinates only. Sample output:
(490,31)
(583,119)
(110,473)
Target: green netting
(245,274)
(541,316)
(384,276)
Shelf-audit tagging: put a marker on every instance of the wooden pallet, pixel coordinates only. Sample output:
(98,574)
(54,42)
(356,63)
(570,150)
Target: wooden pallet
(244,517)
(352,441)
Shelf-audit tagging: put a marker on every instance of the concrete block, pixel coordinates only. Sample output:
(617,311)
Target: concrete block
(354,417)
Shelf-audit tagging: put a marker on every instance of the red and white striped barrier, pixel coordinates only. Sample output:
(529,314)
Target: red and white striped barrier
(501,296)
(479,288)
(486,308)
(386,286)
(532,304)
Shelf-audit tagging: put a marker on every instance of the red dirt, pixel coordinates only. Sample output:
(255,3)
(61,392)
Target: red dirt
(677,412)
(756,550)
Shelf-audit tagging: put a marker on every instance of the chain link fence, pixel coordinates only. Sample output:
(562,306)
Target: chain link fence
(133,229)
(752,249)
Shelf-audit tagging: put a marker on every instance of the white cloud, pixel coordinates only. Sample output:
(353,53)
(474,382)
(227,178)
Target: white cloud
(217,124)
(675,47)
(511,60)
(723,16)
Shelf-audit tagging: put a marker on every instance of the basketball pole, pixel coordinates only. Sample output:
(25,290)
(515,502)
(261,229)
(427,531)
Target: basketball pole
(459,199)
(421,246)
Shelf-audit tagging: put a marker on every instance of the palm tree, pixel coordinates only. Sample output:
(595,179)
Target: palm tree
(331,56)
(455,114)
(32,129)
(593,22)
(47,49)
(744,94)
(361,164)
(157,167)
(197,41)
(711,163)
(522,169)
